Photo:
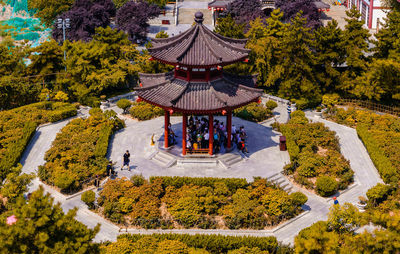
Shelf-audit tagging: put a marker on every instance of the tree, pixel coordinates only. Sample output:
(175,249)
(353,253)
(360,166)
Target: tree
(42,227)
(317,239)
(85,17)
(265,41)
(378,193)
(16,184)
(355,43)
(290,8)
(296,63)
(244,11)
(132,18)
(229,28)
(388,37)
(48,10)
(124,104)
(330,54)
(162,34)
(344,219)
(99,66)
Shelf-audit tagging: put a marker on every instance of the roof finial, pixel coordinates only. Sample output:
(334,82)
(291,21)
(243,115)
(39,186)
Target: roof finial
(198,17)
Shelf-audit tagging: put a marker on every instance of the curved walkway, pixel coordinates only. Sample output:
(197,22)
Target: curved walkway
(352,148)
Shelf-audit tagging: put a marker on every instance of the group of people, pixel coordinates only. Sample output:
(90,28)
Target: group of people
(198,136)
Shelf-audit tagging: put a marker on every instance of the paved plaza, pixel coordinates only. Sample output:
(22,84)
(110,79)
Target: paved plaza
(264,160)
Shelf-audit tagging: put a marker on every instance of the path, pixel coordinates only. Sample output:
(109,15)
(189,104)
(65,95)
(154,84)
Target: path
(352,148)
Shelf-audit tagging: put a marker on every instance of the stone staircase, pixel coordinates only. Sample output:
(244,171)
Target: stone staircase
(229,159)
(186,16)
(281,181)
(164,159)
(197,163)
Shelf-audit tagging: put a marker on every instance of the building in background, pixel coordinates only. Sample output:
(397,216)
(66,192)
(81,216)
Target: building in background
(373,12)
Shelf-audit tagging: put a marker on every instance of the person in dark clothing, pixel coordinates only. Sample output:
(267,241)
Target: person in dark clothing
(110,169)
(126,160)
(97,182)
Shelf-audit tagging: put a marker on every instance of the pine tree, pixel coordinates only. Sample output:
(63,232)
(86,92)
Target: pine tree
(388,43)
(296,63)
(227,27)
(355,43)
(330,54)
(42,227)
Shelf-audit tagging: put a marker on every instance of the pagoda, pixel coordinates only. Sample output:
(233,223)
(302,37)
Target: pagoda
(198,85)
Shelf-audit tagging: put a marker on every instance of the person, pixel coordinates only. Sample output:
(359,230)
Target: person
(97,182)
(126,160)
(335,201)
(110,169)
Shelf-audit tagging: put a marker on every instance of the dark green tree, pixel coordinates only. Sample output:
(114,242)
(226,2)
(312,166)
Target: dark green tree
(16,184)
(227,27)
(48,10)
(388,37)
(355,43)
(330,54)
(42,227)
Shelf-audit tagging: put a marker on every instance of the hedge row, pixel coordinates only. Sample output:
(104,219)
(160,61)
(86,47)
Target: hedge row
(17,127)
(316,161)
(177,181)
(385,167)
(211,204)
(145,111)
(78,152)
(214,243)
(253,112)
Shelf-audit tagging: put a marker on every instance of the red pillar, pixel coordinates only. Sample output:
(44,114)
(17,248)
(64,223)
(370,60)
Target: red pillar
(211,130)
(184,128)
(371,11)
(229,128)
(166,132)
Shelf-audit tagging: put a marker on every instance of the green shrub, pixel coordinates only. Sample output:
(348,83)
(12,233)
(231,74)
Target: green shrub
(95,111)
(253,112)
(330,99)
(145,111)
(298,198)
(326,186)
(378,193)
(89,197)
(214,243)
(137,180)
(301,104)
(124,104)
(271,105)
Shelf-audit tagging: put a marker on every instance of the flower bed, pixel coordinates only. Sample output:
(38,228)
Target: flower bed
(18,125)
(380,135)
(78,152)
(197,203)
(316,161)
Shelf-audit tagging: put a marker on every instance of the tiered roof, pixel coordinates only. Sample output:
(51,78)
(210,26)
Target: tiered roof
(199,47)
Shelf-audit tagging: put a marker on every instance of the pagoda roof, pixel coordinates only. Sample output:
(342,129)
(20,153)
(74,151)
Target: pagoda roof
(219,3)
(199,47)
(227,92)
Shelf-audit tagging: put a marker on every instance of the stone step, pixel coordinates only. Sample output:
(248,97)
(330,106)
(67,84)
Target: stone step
(163,159)
(186,16)
(197,163)
(165,155)
(229,159)
(227,156)
(235,160)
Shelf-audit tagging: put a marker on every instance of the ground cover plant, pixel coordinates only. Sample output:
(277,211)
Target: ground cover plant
(184,243)
(18,125)
(184,202)
(316,161)
(380,135)
(78,152)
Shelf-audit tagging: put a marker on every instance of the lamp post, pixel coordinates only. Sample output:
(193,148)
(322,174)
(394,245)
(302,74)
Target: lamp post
(64,24)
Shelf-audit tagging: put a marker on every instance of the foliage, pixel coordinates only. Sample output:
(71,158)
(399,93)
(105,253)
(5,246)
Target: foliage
(42,227)
(137,180)
(89,197)
(47,11)
(330,100)
(79,150)
(145,111)
(308,10)
(132,18)
(16,184)
(317,239)
(271,105)
(378,193)
(344,219)
(99,66)
(326,186)
(212,243)
(253,112)
(18,125)
(162,34)
(314,152)
(124,104)
(227,27)
(197,202)
(298,198)
(244,11)
(387,44)
(85,16)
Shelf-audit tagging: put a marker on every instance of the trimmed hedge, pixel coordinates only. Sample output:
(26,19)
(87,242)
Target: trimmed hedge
(214,243)
(145,111)
(253,112)
(78,152)
(233,184)
(17,127)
